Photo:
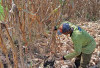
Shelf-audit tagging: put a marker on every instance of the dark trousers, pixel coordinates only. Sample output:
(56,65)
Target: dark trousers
(83,60)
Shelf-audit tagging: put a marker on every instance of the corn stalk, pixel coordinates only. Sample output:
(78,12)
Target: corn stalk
(1,64)
(14,51)
(4,49)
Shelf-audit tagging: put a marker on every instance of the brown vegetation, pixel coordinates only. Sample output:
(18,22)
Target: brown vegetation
(27,35)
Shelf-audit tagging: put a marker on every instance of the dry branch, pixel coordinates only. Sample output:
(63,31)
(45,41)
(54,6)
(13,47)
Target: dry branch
(14,51)
(4,49)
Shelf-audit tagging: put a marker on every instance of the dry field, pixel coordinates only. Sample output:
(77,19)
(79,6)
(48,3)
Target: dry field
(27,38)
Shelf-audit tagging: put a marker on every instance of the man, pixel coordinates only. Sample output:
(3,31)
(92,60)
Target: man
(84,44)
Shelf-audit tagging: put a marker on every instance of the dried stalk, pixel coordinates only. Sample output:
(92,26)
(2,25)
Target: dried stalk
(21,53)
(4,49)
(14,51)
(1,64)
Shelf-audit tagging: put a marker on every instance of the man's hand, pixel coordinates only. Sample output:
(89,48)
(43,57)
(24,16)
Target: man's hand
(62,58)
(55,28)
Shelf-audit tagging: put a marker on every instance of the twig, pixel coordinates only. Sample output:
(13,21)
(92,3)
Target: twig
(4,49)
(13,48)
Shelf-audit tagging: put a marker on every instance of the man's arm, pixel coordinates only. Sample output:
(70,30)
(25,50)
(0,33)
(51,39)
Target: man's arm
(74,54)
(77,49)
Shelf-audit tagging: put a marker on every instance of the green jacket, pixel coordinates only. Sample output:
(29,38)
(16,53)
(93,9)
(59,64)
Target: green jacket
(1,12)
(83,42)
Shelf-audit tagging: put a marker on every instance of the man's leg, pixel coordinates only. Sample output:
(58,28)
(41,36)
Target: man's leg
(85,59)
(77,61)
